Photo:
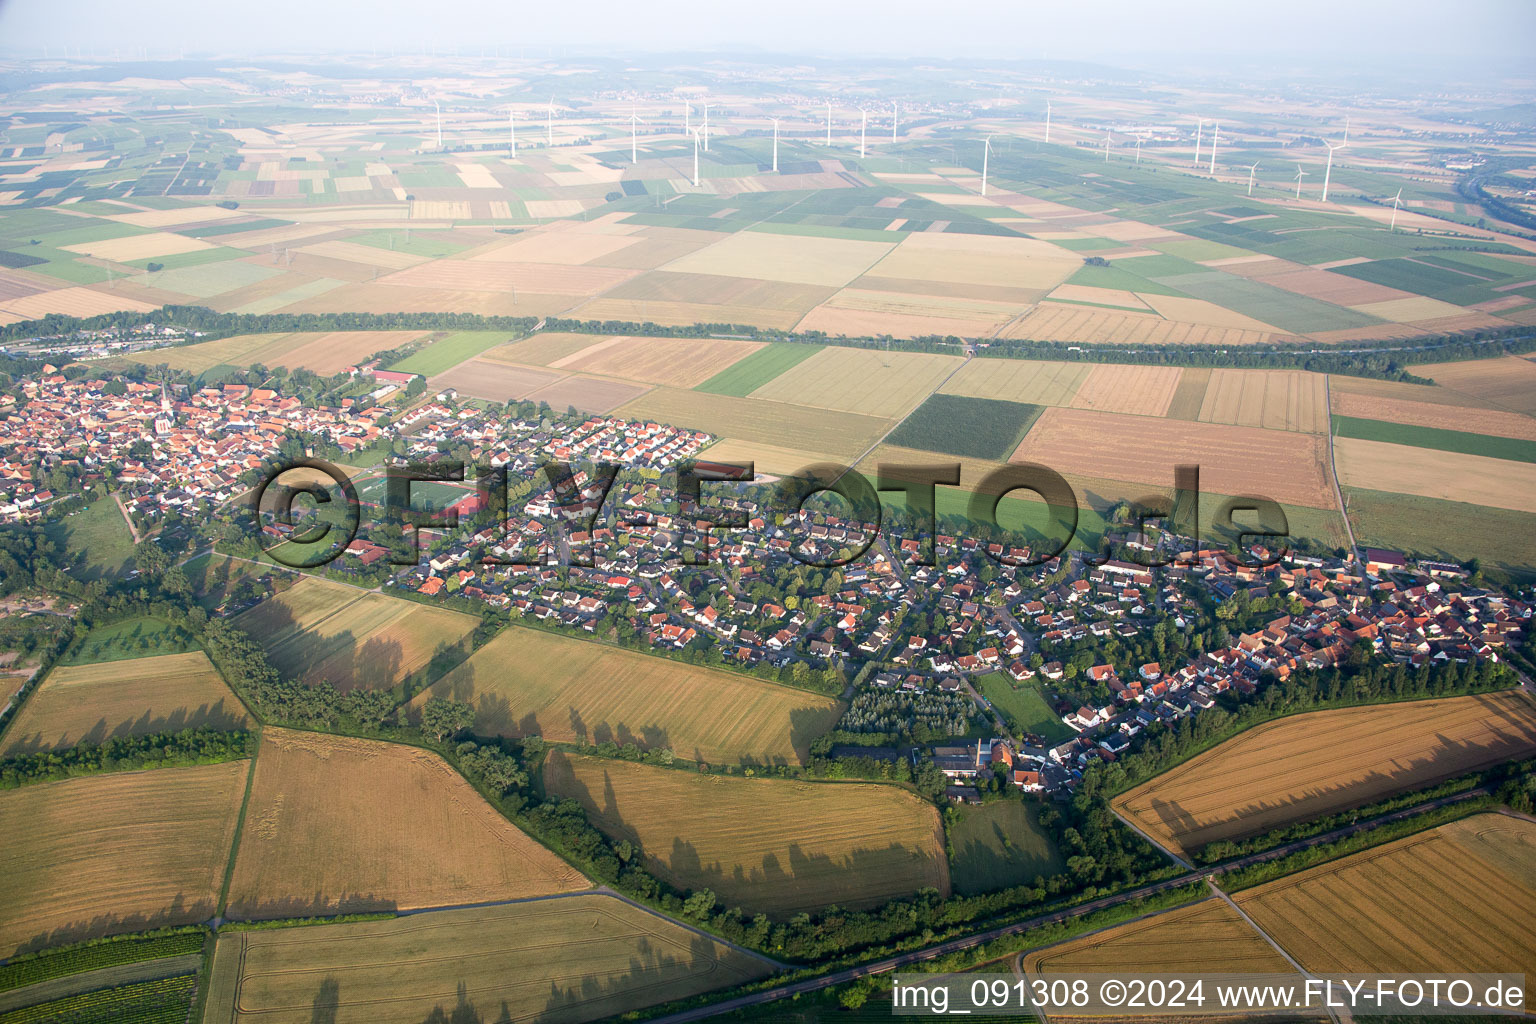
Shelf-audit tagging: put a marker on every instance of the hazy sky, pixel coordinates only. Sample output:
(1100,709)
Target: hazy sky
(1139,32)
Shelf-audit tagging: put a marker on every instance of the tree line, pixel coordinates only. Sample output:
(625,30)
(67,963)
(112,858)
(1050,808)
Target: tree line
(127,753)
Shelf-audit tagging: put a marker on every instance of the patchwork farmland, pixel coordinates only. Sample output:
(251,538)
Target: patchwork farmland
(526,681)
(578,958)
(94,703)
(1458,898)
(341,825)
(1203,937)
(768,845)
(1319,763)
(319,630)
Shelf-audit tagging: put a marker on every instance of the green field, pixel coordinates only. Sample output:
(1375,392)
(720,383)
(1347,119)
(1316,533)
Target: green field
(1000,844)
(432,244)
(424,493)
(976,428)
(762,366)
(93,956)
(96,541)
(449,352)
(140,637)
(1437,438)
(1422,278)
(164,1001)
(1025,705)
(1445,530)
(206,279)
(1275,306)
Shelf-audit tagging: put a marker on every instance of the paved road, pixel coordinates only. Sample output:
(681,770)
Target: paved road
(1333,468)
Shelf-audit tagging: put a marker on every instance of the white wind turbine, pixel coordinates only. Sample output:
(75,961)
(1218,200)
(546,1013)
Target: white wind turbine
(1047,120)
(1106,147)
(439,107)
(1396,202)
(1299,175)
(687,116)
(986,153)
(1138,149)
(1328,171)
(1215,138)
(829,122)
(695,158)
(634,128)
(863,127)
(706,127)
(775,143)
(1251,171)
(549,124)
(1199,134)
(512,130)
(895,116)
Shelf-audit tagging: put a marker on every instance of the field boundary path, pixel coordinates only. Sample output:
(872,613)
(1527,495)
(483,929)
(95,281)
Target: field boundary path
(1333,468)
(132,530)
(1159,847)
(104,977)
(1261,933)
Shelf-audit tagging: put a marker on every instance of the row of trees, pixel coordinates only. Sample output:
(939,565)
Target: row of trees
(126,753)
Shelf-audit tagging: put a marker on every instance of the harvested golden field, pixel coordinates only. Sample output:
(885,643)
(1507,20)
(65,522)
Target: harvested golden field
(683,314)
(1508,383)
(659,247)
(1453,476)
(1275,399)
(490,276)
(866,381)
(842,434)
(1428,394)
(800,259)
(1323,762)
(588,394)
(1291,468)
(999,260)
(318,630)
(98,702)
(859,313)
(1410,309)
(341,825)
(720,290)
(115,853)
(1339,289)
(565,247)
(677,362)
(1198,311)
(1189,396)
(1458,898)
(370,255)
(1200,938)
(139,247)
(1019,380)
(1496,422)
(767,845)
(325,354)
(1060,322)
(574,959)
(541,349)
(767,459)
(78,301)
(496,381)
(400,299)
(1143,390)
(528,682)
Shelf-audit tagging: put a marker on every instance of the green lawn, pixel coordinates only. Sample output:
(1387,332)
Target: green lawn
(140,637)
(100,535)
(1434,437)
(1024,705)
(1000,844)
(449,352)
(762,366)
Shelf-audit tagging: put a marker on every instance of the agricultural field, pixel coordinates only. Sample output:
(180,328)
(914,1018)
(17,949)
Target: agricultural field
(159,843)
(1323,762)
(1083,324)
(841,435)
(978,428)
(318,630)
(744,377)
(325,354)
(574,959)
(865,381)
(494,381)
(1444,529)
(768,845)
(675,362)
(96,542)
(1024,704)
(1273,399)
(1445,475)
(1437,438)
(795,259)
(218,579)
(528,682)
(342,825)
(94,703)
(587,394)
(1508,383)
(1140,390)
(1203,937)
(1288,467)
(448,352)
(136,637)
(1458,898)
(1019,380)
(1407,412)
(1000,844)
(541,349)
(1189,397)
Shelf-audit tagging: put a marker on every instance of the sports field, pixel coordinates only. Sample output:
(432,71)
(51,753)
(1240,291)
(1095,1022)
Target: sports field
(526,682)
(318,630)
(341,825)
(574,959)
(1458,898)
(94,703)
(1000,844)
(158,844)
(1203,937)
(1319,763)
(767,845)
